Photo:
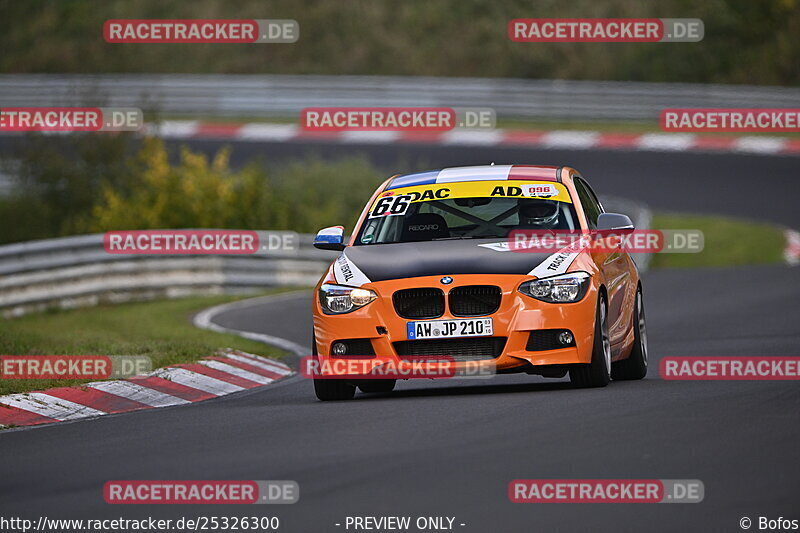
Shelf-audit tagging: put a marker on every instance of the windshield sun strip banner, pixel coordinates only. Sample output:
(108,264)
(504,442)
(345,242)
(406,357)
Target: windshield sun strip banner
(397,201)
(479,173)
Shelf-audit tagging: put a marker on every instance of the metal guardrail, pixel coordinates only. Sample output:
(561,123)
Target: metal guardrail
(77,271)
(200,95)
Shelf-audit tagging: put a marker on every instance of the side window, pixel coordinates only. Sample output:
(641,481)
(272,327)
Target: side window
(368,233)
(589,202)
(594,197)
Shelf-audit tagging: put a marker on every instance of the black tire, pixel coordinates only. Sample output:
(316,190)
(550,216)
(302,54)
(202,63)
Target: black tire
(596,374)
(635,366)
(377,385)
(331,390)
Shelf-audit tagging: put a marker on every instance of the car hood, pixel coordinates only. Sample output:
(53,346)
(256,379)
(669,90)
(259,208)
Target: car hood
(380,262)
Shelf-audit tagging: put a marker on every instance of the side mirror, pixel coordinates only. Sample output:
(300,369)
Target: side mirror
(614,221)
(331,238)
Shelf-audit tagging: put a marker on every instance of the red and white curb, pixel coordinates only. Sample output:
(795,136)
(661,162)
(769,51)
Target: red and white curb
(559,139)
(791,253)
(227,372)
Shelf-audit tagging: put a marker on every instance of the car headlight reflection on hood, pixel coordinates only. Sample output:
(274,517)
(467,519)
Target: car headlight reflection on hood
(565,288)
(339,299)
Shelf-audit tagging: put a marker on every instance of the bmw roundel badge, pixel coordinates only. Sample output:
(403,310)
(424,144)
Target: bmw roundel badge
(447,280)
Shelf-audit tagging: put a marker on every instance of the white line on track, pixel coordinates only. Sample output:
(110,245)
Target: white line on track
(204,320)
(759,145)
(369,137)
(570,139)
(265,364)
(174,129)
(187,378)
(665,141)
(473,137)
(50,406)
(236,371)
(137,393)
(267,132)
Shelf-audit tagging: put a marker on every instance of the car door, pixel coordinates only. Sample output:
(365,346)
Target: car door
(613,264)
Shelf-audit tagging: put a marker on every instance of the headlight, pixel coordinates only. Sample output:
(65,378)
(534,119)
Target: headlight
(338,299)
(565,288)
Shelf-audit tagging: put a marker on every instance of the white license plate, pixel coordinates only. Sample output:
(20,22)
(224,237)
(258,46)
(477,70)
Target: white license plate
(448,329)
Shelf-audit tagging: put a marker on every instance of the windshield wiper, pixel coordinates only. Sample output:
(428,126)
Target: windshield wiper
(460,237)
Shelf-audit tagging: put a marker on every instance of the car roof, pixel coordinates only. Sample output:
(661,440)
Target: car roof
(477,173)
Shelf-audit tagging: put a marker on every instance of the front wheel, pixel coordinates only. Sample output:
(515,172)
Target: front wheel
(596,373)
(331,390)
(635,366)
(377,385)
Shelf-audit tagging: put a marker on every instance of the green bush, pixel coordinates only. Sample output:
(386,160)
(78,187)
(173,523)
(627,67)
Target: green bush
(112,183)
(56,181)
(746,41)
(201,193)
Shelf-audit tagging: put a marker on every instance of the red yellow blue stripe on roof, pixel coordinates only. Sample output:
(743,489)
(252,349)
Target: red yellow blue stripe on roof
(479,173)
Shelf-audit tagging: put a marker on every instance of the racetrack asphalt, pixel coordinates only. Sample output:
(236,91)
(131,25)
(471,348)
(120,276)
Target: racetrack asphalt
(744,186)
(441,448)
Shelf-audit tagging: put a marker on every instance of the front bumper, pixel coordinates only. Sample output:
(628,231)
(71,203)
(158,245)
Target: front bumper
(515,319)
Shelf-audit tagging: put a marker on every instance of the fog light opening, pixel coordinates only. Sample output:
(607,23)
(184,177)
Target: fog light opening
(565,338)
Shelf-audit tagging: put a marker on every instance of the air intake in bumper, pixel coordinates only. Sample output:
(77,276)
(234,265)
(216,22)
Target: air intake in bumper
(468,349)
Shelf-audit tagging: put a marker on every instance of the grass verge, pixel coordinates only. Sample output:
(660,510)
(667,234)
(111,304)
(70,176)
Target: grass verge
(159,329)
(728,241)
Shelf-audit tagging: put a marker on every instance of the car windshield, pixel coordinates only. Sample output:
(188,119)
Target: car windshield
(462,218)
